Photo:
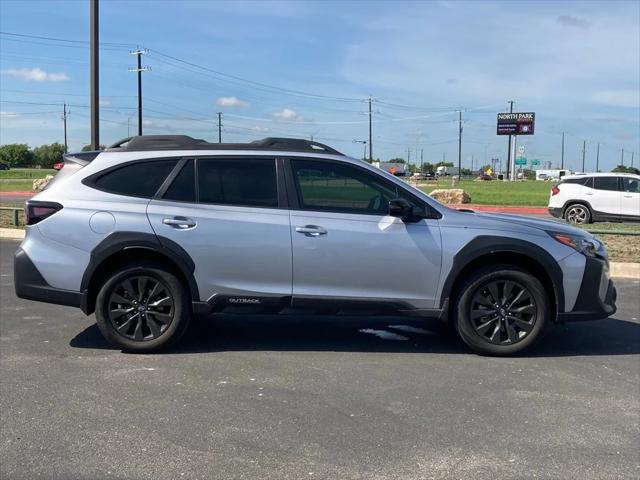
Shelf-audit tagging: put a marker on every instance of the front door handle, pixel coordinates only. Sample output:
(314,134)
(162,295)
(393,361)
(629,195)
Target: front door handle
(311,230)
(179,222)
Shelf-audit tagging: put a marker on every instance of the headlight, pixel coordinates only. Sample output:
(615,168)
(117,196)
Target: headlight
(587,246)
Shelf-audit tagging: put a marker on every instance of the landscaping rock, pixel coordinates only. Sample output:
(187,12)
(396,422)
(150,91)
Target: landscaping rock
(40,183)
(454,196)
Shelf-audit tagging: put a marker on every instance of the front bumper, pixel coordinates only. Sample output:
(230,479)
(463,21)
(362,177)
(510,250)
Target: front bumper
(597,297)
(30,284)
(555,212)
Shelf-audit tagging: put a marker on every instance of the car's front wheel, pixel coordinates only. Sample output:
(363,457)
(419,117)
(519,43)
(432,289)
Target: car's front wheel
(501,310)
(142,308)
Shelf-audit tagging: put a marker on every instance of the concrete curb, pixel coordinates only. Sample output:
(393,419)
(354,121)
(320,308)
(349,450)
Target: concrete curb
(12,233)
(624,270)
(616,269)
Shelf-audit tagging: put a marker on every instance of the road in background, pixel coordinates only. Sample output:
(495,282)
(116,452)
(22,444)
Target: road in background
(313,397)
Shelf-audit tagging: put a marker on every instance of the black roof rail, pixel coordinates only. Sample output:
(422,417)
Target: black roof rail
(185,142)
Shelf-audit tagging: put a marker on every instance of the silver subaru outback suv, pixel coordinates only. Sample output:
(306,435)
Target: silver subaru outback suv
(157,229)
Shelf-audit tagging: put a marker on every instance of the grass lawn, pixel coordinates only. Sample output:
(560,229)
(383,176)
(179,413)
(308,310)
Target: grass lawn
(24,173)
(529,193)
(15,185)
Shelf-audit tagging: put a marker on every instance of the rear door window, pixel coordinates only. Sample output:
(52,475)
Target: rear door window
(606,183)
(137,179)
(248,182)
(183,187)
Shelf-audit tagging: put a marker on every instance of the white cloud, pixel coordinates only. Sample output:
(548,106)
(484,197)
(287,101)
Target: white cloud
(104,102)
(571,21)
(260,129)
(9,114)
(618,98)
(231,102)
(36,75)
(289,115)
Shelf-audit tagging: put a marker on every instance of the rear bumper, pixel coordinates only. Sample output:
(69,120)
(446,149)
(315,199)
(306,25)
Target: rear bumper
(30,285)
(555,212)
(597,297)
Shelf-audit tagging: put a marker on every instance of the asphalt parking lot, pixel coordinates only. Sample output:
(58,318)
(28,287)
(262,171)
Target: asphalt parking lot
(309,397)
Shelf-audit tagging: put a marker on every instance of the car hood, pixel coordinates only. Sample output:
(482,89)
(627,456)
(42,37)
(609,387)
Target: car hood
(502,220)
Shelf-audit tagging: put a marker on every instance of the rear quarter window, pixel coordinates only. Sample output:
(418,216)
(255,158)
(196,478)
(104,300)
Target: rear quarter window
(137,179)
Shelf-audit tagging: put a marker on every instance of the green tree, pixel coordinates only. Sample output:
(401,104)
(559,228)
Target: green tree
(397,160)
(47,155)
(625,169)
(16,155)
(87,148)
(444,164)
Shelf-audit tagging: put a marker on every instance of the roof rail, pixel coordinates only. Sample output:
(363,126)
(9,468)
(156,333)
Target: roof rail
(185,142)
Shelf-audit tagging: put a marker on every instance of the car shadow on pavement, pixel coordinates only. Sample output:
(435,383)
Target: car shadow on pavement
(375,334)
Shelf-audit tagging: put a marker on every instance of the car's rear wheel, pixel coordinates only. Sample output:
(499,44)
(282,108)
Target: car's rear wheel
(501,310)
(142,308)
(578,214)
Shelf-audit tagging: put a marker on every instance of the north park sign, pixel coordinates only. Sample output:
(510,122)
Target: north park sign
(516,123)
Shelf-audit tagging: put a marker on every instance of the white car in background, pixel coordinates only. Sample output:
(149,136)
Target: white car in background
(597,197)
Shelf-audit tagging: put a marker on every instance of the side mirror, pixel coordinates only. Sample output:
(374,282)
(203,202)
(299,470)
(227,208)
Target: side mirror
(399,207)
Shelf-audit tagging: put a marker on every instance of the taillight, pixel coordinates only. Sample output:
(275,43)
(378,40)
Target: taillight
(35,211)
(555,190)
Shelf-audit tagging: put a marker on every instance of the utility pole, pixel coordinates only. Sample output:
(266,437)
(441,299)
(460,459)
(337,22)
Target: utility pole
(509,149)
(562,156)
(584,148)
(94,73)
(64,120)
(598,159)
(422,157)
(370,134)
(460,144)
(220,128)
(632,154)
(622,159)
(408,155)
(139,52)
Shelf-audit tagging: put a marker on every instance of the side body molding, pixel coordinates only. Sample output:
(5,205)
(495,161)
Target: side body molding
(492,245)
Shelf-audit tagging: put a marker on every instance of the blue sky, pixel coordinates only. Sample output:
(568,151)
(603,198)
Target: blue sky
(305,68)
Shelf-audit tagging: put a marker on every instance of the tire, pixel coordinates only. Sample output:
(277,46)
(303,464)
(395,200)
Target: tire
(501,331)
(577,213)
(143,308)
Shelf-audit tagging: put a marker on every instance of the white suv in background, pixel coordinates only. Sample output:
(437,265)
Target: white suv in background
(597,197)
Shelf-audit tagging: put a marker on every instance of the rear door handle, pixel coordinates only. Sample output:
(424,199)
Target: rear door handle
(311,230)
(179,222)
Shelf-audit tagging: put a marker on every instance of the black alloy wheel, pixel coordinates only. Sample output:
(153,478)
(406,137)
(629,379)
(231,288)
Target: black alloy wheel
(141,308)
(503,312)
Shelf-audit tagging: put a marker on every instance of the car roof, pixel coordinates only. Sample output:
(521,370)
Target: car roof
(600,174)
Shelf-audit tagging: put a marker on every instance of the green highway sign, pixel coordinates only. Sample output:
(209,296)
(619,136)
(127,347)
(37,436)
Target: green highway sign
(535,161)
(521,161)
